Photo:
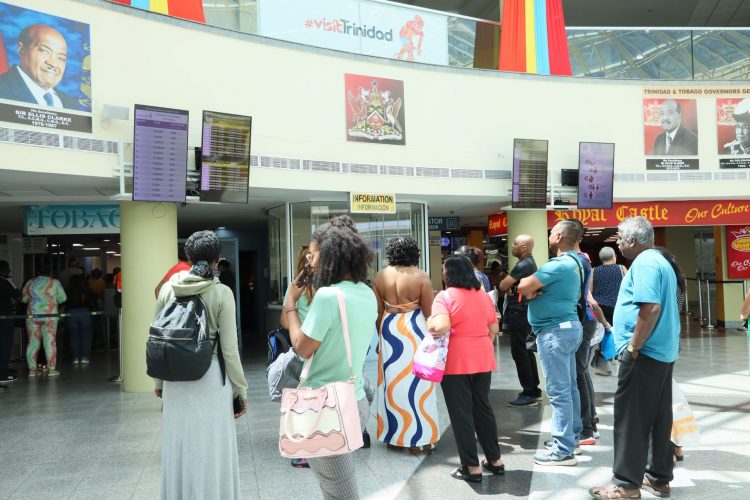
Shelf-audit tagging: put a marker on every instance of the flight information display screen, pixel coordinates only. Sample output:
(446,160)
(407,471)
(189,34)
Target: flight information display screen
(529,173)
(160,154)
(225,157)
(596,171)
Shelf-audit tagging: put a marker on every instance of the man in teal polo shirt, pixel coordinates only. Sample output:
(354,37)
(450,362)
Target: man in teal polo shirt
(646,331)
(553,293)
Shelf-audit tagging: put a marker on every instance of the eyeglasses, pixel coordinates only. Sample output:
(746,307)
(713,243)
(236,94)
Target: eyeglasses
(620,237)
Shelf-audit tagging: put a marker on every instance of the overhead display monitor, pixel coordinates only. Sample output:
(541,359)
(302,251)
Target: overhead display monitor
(529,173)
(160,147)
(225,157)
(596,170)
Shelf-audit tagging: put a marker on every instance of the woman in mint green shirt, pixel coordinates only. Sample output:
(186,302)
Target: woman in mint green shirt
(303,271)
(340,258)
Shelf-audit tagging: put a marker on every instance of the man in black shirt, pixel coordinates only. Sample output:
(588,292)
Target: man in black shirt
(8,295)
(518,324)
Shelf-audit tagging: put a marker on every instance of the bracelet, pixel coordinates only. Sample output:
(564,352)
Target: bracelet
(290,309)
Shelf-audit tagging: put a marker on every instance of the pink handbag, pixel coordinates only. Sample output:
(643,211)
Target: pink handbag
(321,422)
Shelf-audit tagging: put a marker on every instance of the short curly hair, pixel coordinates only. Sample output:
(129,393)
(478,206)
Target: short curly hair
(343,252)
(402,251)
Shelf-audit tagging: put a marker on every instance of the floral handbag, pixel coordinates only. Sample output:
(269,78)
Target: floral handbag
(321,422)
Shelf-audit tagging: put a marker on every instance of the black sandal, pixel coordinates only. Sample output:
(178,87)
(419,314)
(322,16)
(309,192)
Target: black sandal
(463,474)
(497,470)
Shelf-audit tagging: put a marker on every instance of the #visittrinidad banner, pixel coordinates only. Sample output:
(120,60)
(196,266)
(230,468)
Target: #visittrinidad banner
(360,27)
(374,109)
(45,71)
(738,252)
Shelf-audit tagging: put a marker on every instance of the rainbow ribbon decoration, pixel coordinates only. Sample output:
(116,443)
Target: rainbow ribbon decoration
(533,38)
(184,9)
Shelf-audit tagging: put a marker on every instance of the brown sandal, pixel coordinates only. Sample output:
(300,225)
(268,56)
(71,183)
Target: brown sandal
(612,490)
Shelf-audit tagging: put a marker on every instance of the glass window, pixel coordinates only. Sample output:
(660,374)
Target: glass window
(277,249)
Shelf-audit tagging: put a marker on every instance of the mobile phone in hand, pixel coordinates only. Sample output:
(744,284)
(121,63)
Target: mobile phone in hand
(237,403)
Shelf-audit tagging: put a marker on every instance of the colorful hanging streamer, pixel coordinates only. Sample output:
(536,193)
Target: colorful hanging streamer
(533,39)
(184,9)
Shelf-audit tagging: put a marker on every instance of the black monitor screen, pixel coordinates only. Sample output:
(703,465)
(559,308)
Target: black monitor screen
(529,173)
(225,157)
(160,154)
(596,170)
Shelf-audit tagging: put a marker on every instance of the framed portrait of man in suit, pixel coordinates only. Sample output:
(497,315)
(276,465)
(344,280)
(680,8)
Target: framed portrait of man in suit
(670,127)
(45,69)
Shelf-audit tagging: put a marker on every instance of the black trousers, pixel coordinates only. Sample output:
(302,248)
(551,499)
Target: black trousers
(525,360)
(6,342)
(467,399)
(609,313)
(643,416)
(583,379)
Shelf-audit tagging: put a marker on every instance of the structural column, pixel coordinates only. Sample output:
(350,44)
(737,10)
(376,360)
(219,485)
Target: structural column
(148,244)
(534,223)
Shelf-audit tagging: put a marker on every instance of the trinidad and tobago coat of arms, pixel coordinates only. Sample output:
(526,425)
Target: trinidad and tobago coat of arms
(375,114)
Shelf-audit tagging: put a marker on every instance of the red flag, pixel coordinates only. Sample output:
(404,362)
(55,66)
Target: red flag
(513,37)
(3,57)
(187,9)
(559,57)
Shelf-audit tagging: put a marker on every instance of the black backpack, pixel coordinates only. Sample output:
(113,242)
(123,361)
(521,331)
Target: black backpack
(178,348)
(581,311)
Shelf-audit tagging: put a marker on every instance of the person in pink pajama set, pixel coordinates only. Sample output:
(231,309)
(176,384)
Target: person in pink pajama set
(42,294)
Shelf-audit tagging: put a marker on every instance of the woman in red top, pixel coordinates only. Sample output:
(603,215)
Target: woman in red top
(468,312)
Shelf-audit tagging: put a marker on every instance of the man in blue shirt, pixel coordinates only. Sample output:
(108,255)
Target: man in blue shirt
(553,293)
(646,331)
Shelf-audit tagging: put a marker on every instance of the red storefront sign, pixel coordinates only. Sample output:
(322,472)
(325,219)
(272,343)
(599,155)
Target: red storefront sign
(660,213)
(738,252)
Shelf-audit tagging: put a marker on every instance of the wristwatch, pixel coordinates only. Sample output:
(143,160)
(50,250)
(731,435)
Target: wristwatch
(632,348)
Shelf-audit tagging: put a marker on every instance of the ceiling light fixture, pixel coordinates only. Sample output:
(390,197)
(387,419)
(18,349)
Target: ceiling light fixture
(92,248)
(77,245)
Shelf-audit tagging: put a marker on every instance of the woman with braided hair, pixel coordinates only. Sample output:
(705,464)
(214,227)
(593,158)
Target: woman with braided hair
(340,258)
(199,456)
(407,405)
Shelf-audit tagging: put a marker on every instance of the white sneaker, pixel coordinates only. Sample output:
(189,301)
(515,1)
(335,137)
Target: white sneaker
(53,372)
(85,361)
(76,361)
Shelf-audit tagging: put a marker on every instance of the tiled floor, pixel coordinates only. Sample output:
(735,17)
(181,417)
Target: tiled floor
(78,436)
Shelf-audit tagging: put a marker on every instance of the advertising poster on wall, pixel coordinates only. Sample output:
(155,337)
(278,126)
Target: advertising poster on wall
(374,109)
(670,127)
(733,131)
(596,168)
(738,252)
(360,27)
(45,70)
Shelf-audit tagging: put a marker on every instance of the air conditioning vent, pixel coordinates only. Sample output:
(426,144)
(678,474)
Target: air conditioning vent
(466,173)
(321,166)
(433,172)
(398,170)
(497,174)
(735,175)
(663,177)
(630,177)
(359,168)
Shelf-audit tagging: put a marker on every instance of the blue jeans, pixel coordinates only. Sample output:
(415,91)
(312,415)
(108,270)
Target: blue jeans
(79,332)
(557,352)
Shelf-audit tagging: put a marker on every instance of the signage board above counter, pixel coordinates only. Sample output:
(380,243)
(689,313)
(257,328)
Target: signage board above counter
(372,203)
(72,219)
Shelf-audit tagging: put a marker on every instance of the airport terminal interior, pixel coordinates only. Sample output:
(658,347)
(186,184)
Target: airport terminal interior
(128,125)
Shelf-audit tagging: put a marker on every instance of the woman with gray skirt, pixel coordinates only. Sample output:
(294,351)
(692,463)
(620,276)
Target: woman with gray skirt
(340,258)
(199,441)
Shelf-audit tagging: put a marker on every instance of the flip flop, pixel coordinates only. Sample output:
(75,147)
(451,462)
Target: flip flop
(611,490)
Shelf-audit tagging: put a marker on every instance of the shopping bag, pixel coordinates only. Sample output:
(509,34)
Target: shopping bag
(607,346)
(431,354)
(684,425)
(429,360)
